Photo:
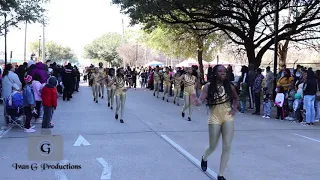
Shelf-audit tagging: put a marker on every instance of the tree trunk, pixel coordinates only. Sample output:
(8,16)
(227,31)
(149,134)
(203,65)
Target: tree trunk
(283,49)
(200,57)
(283,52)
(251,55)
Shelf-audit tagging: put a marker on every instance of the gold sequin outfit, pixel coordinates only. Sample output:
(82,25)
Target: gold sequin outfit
(189,85)
(177,83)
(102,74)
(110,79)
(119,83)
(156,77)
(220,113)
(177,89)
(95,77)
(166,80)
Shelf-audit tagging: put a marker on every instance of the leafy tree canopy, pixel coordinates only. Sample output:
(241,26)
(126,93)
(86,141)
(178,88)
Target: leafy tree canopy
(17,11)
(244,22)
(182,42)
(55,52)
(104,48)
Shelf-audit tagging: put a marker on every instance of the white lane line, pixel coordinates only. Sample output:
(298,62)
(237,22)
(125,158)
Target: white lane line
(81,140)
(5,132)
(60,175)
(195,161)
(308,138)
(106,172)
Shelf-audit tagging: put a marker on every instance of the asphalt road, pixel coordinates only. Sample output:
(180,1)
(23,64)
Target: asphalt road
(156,143)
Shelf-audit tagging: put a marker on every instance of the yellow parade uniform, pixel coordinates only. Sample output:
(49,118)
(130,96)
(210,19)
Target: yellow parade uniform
(120,86)
(156,77)
(220,113)
(189,85)
(177,89)
(110,79)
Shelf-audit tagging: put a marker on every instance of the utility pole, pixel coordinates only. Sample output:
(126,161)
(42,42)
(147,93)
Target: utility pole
(275,60)
(5,39)
(25,42)
(39,47)
(124,64)
(137,46)
(43,44)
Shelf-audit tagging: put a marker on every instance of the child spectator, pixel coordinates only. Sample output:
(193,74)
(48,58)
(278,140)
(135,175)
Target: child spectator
(36,87)
(49,100)
(291,99)
(279,101)
(266,103)
(29,104)
(243,96)
(298,107)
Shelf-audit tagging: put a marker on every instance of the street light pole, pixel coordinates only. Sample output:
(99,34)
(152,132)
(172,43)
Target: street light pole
(275,60)
(25,42)
(5,39)
(39,47)
(137,46)
(124,64)
(43,44)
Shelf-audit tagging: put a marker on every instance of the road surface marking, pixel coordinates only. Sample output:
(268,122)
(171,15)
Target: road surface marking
(5,132)
(60,175)
(308,138)
(106,172)
(81,140)
(195,161)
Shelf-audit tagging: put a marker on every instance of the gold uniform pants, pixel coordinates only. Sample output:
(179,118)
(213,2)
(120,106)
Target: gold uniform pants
(156,87)
(177,91)
(220,122)
(111,92)
(95,91)
(188,91)
(120,101)
(166,90)
(101,88)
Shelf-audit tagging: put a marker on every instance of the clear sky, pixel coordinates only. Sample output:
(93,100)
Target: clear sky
(74,23)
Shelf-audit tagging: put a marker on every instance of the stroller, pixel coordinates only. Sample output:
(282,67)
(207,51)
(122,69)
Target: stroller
(14,110)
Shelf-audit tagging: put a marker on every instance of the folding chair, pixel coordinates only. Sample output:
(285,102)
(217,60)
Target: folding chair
(16,117)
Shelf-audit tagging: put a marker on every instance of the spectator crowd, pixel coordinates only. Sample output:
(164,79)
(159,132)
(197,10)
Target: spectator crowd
(37,86)
(295,95)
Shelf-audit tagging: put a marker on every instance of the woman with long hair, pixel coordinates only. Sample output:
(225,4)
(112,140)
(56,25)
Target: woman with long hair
(219,94)
(112,88)
(120,92)
(189,82)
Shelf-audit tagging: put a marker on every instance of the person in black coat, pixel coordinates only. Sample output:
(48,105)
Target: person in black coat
(68,75)
(77,79)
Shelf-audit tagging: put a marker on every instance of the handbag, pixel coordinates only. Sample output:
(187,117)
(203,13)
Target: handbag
(14,85)
(318,92)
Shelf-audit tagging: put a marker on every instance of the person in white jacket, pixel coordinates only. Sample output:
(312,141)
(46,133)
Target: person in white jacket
(278,102)
(10,82)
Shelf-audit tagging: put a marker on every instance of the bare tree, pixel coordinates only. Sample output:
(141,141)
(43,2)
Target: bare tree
(133,54)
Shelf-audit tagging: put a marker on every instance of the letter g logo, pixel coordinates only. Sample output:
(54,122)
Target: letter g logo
(34,166)
(45,148)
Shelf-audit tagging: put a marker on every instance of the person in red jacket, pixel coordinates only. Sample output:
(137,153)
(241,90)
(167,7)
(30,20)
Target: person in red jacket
(49,101)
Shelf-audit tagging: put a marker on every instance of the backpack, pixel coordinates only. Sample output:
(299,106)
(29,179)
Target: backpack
(15,100)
